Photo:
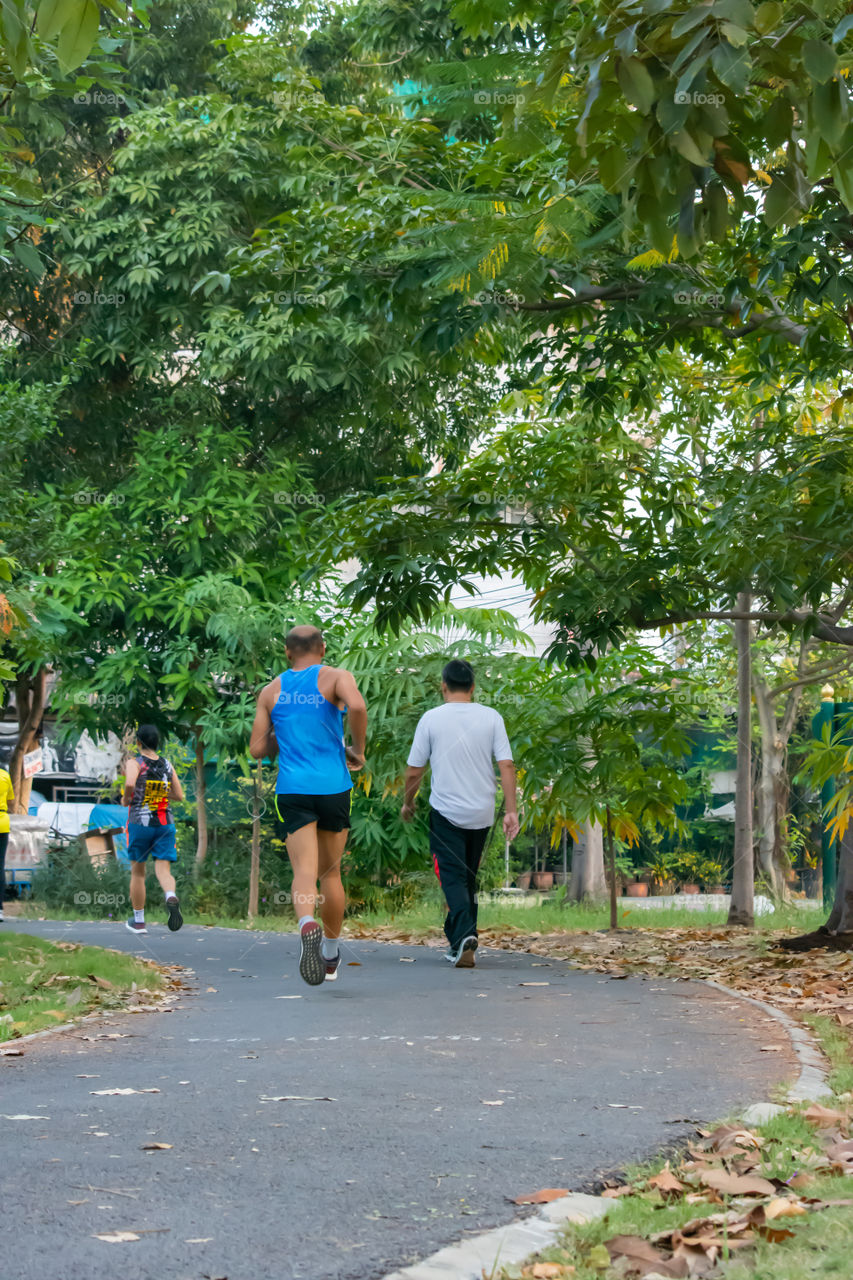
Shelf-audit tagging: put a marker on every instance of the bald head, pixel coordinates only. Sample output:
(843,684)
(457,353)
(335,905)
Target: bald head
(304,640)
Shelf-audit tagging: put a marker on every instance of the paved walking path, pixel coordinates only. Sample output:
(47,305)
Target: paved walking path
(589,1072)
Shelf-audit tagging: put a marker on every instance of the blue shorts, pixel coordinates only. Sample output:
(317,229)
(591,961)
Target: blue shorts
(157,841)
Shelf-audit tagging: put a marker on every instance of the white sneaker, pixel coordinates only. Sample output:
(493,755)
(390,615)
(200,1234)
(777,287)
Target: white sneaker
(465,955)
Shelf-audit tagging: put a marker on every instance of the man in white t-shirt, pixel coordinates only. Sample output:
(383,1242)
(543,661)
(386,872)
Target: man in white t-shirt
(460,741)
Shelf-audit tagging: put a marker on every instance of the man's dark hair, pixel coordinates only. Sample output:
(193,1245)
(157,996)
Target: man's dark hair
(303,639)
(148,736)
(458,676)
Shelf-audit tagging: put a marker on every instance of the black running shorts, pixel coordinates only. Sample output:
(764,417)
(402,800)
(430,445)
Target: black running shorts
(331,813)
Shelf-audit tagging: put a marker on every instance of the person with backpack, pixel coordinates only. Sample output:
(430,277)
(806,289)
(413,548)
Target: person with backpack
(150,783)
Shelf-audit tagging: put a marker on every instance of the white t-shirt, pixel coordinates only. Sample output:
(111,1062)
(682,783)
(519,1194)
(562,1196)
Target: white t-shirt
(460,741)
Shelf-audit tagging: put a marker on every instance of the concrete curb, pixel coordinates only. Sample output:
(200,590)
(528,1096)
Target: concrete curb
(812,1083)
(481,1255)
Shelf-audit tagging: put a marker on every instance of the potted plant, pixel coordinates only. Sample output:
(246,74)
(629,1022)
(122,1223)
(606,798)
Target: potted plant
(710,875)
(662,870)
(523,879)
(688,868)
(543,879)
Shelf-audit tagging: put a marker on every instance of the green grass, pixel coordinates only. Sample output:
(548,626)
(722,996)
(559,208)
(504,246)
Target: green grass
(544,917)
(548,916)
(43,985)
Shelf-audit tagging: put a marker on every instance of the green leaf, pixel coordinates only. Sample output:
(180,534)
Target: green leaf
(732,66)
(637,85)
(820,60)
(53,15)
(830,111)
(734,34)
(717,209)
(686,146)
(29,257)
(781,204)
(695,14)
(78,35)
(768,16)
(778,122)
(844,26)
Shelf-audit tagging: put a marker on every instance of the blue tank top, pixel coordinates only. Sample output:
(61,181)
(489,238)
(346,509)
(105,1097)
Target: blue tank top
(310,734)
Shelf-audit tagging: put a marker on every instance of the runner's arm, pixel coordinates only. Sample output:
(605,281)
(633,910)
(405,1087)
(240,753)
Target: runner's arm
(346,691)
(263,741)
(176,790)
(509,784)
(131,773)
(414,774)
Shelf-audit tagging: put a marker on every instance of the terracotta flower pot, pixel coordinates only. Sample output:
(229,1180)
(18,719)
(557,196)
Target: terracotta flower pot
(690,888)
(543,879)
(523,880)
(638,890)
(717,888)
(663,888)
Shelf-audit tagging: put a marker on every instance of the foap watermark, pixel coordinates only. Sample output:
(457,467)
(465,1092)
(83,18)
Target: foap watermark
(487,297)
(95,498)
(503,698)
(295,298)
(290,498)
(82,298)
(298,699)
(485,498)
(286,898)
(497,98)
(98,98)
(687,99)
(98,899)
(290,99)
(698,298)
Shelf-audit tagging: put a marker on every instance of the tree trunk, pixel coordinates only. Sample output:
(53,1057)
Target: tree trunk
(741,910)
(771,795)
(773,785)
(30,697)
(201,801)
(611,862)
(255,868)
(588,865)
(841,917)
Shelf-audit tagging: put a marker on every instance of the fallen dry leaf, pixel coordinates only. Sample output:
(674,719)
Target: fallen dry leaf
(634,1256)
(534,984)
(487,1103)
(117,1237)
(781,1207)
(542,1197)
(548,1270)
(733,1184)
(824,1117)
(157,1146)
(101,982)
(666,1182)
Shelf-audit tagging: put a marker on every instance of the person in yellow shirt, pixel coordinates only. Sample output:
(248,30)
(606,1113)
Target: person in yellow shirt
(7,796)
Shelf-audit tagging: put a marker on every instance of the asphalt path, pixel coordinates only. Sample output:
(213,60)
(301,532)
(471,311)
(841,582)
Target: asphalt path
(452,1092)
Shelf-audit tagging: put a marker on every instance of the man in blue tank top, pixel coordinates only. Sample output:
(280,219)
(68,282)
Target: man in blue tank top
(300,716)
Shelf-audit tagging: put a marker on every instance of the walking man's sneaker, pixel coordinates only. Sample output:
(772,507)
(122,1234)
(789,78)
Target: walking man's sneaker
(135,926)
(332,967)
(312,966)
(175,918)
(451,955)
(465,955)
